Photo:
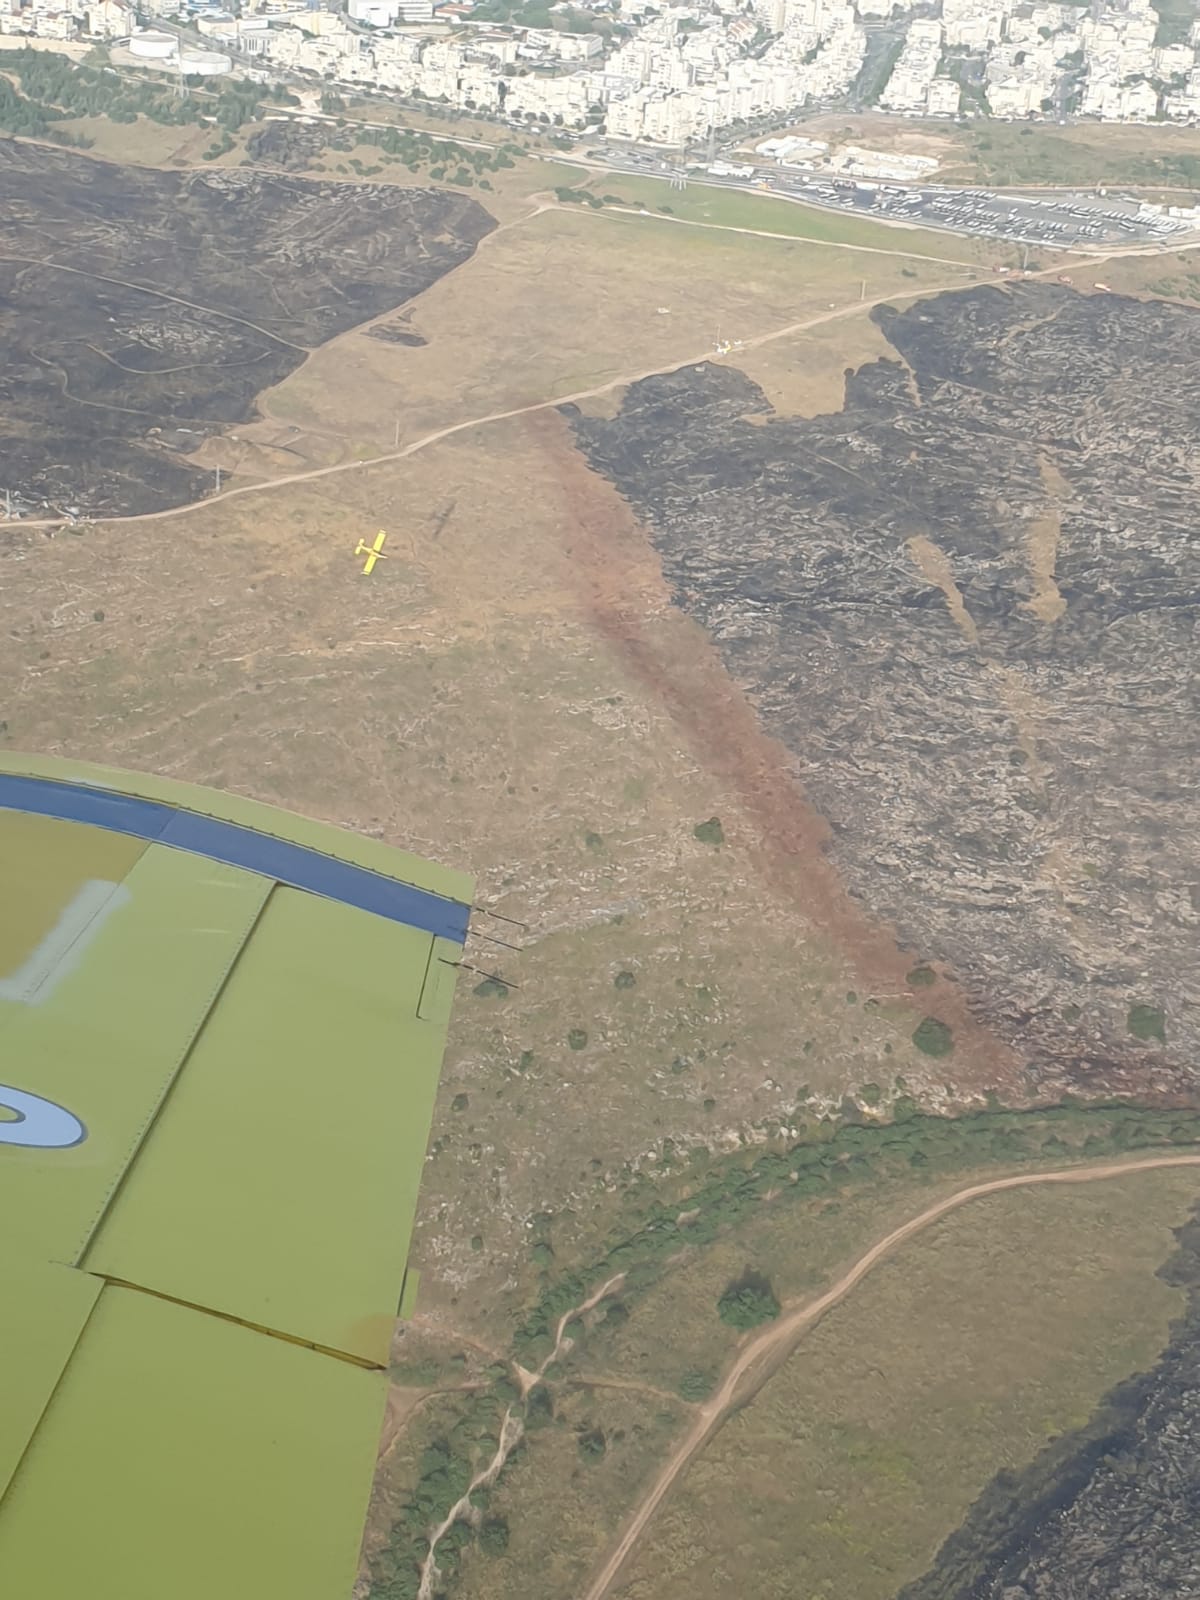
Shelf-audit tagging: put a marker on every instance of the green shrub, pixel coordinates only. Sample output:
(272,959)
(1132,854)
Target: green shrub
(921,977)
(539,1408)
(934,1038)
(493,1536)
(748,1301)
(695,1384)
(710,832)
(1147,1022)
(593,1446)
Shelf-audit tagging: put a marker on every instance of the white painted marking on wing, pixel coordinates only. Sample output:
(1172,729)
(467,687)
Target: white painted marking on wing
(40,1124)
(62,948)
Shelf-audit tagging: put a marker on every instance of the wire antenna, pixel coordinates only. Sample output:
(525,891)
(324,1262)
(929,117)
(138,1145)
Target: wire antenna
(473,933)
(494,976)
(500,917)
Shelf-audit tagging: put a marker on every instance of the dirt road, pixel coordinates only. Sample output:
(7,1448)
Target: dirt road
(852,308)
(779,1336)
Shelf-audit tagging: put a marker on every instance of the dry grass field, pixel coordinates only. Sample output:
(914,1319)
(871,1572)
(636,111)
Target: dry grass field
(571,300)
(964,1353)
(142,143)
(806,375)
(514,692)
(468,703)
(1173,275)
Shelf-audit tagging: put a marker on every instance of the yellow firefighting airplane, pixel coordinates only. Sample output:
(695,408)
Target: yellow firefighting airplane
(373,552)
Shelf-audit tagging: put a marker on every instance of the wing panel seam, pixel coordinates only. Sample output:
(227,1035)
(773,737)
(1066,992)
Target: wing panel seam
(242,1322)
(144,1128)
(49,1401)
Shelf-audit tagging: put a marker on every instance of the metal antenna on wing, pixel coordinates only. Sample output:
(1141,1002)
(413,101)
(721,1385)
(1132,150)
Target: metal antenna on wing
(494,976)
(500,917)
(474,933)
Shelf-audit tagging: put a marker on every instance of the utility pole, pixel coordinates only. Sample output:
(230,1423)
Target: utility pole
(7,505)
(396,438)
(218,470)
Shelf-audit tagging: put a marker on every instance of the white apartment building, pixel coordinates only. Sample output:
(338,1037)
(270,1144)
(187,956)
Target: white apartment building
(377,13)
(1185,104)
(566,46)
(1116,102)
(1015,97)
(43,24)
(974,24)
(1173,60)
(915,68)
(943,98)
(110,19)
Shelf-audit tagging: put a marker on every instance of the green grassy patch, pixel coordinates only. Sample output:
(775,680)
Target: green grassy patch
(54,88)
(733,208)
(1000,1327)
(1175,18)
(717,1197)
(1008,154)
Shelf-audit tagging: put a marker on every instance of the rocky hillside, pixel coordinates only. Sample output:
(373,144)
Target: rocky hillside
(967,603)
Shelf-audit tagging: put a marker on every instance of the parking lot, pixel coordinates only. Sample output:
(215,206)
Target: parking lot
(1072,221)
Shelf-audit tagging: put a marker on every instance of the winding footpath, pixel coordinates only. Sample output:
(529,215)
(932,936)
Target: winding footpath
(779,1337)
(511,1430)
(968,276)
(852,308)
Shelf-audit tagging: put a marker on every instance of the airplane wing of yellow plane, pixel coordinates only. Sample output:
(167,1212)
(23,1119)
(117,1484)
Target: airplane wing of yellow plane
(373,552)
(221,1028)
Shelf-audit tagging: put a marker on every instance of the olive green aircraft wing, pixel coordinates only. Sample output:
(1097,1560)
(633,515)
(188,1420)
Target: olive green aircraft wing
(221,1028)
